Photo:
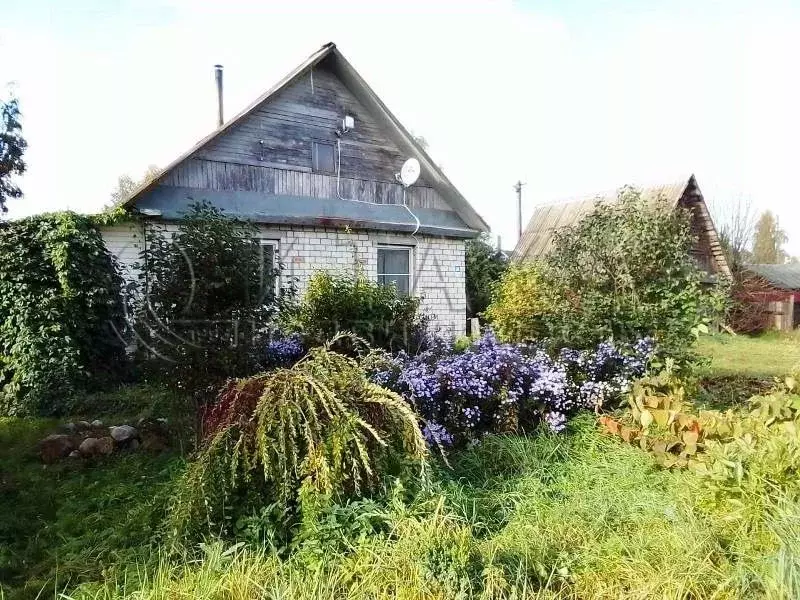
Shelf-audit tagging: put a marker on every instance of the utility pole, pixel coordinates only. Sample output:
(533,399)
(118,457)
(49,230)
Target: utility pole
(518,189)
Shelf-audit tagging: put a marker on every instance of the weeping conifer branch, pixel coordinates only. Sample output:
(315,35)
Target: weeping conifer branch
(321,426)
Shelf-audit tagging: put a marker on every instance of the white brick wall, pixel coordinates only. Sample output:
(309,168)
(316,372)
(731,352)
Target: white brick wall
(438,263)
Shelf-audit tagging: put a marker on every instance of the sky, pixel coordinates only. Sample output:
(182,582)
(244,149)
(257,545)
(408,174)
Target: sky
(570,97)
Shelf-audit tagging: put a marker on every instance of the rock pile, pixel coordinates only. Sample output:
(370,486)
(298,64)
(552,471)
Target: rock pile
(82,439)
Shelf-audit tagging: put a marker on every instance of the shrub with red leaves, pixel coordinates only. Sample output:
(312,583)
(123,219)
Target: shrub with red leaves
(235,405)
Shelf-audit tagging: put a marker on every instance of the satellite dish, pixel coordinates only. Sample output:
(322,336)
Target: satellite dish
(410,172)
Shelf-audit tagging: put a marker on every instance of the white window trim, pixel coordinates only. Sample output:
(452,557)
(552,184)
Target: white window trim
(410,250)
(276,245)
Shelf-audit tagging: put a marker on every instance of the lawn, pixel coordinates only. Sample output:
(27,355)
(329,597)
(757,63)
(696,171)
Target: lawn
(765,356)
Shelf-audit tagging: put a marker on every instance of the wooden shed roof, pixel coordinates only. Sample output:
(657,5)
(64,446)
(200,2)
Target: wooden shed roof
(785,277)
(537,238)
(356,84)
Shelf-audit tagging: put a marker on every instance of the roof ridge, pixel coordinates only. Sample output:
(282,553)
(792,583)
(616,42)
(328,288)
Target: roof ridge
(612,193)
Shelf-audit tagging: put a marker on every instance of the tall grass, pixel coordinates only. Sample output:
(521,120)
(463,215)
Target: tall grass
(576,516)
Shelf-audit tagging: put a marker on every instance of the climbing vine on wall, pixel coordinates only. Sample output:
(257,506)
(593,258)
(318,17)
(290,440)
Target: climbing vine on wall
(62,316)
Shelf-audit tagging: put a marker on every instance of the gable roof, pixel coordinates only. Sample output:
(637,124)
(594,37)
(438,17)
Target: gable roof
(548,218)
(356,84)
(786,277)
(537,238)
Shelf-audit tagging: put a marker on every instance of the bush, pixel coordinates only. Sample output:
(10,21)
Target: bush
(206,301)
(500,388)
(61,313)
(484,265)
(525,304)
(294,439)
(622,272)
(376,313)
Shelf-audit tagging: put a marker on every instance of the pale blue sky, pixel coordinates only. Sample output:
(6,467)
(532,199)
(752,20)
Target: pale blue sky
(570,97)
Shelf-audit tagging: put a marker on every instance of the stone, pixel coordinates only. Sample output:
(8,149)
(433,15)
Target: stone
(69,428)
(83,425)
(54,447)
(133,444)
(97,423)
(123,433)
(75,454)
(105,445)
(88,446)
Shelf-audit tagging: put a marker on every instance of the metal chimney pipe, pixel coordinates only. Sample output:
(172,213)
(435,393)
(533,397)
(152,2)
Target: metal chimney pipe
(218,77)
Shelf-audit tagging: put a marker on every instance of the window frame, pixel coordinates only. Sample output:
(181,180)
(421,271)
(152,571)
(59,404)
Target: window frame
(275,245)
(410,251)
(315,166)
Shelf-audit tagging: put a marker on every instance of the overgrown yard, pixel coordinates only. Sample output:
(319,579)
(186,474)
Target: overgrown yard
(573,515)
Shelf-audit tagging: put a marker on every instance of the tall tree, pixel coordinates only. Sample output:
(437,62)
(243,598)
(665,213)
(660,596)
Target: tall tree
(12,147)
(768,240)
(736,220)
(126,185)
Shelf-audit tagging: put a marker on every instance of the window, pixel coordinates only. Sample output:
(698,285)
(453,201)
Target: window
(394,267)
(269,269)
(322,157)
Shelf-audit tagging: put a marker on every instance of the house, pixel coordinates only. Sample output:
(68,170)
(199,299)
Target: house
(707,252)
(773,294)
(315,162)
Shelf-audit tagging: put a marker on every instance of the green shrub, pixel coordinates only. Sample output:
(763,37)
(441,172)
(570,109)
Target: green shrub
(61,313)
(629,270)
(296,437)
(206,294)
(524,305)
(376,313)
(624,271)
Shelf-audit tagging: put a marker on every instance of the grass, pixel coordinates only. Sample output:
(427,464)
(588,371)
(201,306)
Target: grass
(65,523)
(765,356)
(577,516)
(557,517)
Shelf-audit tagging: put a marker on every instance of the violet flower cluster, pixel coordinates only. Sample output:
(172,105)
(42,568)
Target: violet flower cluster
(493,386)
(283,351)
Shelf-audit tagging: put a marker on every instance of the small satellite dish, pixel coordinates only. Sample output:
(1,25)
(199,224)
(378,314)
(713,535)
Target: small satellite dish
(410,172)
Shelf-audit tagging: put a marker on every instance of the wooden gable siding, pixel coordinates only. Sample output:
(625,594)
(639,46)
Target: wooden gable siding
(270,150)
(215,175)
(706,250)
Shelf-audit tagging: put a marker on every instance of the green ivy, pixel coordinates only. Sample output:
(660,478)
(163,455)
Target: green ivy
(62,317)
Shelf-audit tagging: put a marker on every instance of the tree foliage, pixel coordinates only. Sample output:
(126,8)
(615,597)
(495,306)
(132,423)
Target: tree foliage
(206,296)
(623,272)
(126,185)
(12,148)
(768,241)
(484,267)
(61,314)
